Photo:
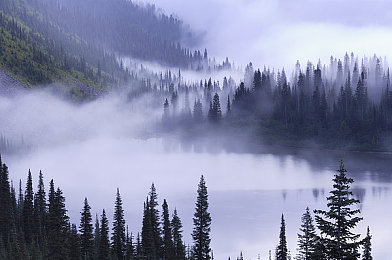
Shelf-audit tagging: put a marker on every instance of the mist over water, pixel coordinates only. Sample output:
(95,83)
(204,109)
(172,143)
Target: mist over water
(91,149)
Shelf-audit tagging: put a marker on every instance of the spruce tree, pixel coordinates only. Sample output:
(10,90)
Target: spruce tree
(86,232)
(57,225)
(179,248)
(337,223)
(40,211)
(201,224)
(5,204)
(104,244)
(74,244)
(118,234)
(146,240)
(129,248)
(97,236)
(367,250)
(281,250)
(155,225)
(307,237)
(168,246)
(27,214)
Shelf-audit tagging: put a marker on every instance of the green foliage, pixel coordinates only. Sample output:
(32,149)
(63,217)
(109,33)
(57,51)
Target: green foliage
(201,224)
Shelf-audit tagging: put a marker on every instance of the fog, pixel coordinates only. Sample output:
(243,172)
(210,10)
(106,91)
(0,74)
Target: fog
(277,33)
(93,148)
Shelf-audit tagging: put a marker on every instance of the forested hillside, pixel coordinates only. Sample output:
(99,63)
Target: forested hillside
(78,42)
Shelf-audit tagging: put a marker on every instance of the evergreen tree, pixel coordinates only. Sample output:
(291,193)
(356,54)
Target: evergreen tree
(228,108)
(28,206)
(179,248)
(336,224)
(74,244)
(5,204)
(86,232)
(118,234)
(198,111)
(307,238)
(367,250)
(97,237)
(215,112)
(155,225)
(146,241)
(281,250)
(104,244)
(129,248)
(57,225)
(168,246)
(40,211)
(201,223)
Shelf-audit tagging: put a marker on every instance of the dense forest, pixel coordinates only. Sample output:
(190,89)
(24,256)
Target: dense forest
(35,225)
(44,42)
(345,105)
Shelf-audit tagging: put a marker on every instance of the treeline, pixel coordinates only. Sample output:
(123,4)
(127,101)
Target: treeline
(344,105)
(33,227)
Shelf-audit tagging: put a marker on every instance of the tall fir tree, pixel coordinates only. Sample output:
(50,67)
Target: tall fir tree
(155,225)
(201,224)
(307,237)
(281,250)
(179,248)
(74,244)
(97,236)
(146,240)
(40,212)
(104,243)
(5,204)
(27,214)
(86,232)
(129,248)
(367,246)
(118,230)
(168,246)
(337,223)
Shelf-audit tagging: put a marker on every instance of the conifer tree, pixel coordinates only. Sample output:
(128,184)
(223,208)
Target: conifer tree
(155,224)
(168,246)
(281,250)
(104,244)
(40,210)
(139,248)
(57,225)
(97,236)
(5,204)
(307,238)
(201,224)
(367,250)
(337,223)
(74,244)
(146,240)
(129,248)
(118,234)
(86,232)
(28,206)
(179,248)
(215,112)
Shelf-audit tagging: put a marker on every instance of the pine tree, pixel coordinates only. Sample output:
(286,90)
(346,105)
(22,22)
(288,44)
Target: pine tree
(97,237)
(367,250)
(118,234)
(40,211)
(168,246)
(28,206)
(215,112)
(201,223)
(146,241)
(74,244)
(307,238)
(129,248)
(179,248)
(57,225)
(86,232)
(198,111)
(155,225)
(281,251)
(104,245)
(336,224)
(5,204)
(228,108)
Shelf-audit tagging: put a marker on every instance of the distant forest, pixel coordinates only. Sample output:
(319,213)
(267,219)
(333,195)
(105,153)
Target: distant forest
(344,105)
(35,225)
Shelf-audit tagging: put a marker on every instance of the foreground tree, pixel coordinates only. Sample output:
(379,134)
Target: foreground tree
(367,251)
(179,248)
(307,237)
(118,235)
(104,244)
(168,247)
(337,223)
(281,250)
(86,232)
(201,222)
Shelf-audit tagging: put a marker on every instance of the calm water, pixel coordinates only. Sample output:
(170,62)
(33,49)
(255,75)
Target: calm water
(247,192)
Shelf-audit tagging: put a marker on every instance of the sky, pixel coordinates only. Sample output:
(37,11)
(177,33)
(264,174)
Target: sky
(279,32)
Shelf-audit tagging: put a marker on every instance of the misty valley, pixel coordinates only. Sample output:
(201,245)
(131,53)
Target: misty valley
(127,132)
